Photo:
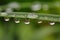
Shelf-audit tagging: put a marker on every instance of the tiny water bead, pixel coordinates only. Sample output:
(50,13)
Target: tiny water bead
(52,23)
(39,21)
(6,19)
(16,20)
(27,22)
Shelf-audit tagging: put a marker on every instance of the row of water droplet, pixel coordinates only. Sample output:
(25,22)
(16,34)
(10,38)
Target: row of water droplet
(27,21)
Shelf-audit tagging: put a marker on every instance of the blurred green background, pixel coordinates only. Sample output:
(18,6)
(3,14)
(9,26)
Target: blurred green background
(33,31)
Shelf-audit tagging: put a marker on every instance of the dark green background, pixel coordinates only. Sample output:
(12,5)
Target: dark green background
(34,31)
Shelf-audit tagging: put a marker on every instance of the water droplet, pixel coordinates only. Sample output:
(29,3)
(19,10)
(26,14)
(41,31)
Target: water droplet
(39,21)
(6,19)
(17,21)
(52,23)
(27,22)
